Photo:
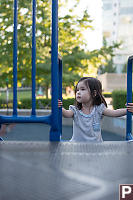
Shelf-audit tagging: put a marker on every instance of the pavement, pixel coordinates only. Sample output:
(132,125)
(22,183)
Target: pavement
(40,132)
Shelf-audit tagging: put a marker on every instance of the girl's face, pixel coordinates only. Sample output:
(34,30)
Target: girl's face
(83,93)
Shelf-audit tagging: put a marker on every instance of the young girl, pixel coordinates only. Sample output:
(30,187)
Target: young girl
(88,110)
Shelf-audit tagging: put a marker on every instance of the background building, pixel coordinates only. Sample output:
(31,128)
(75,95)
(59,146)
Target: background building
(118,26)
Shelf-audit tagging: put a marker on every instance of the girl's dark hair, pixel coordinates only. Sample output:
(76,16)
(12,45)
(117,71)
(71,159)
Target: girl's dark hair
(95,87)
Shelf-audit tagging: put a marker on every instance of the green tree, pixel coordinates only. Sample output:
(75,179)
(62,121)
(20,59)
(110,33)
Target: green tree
(108,66)
(77,61)
(43,23)
(124,70)
(70,40)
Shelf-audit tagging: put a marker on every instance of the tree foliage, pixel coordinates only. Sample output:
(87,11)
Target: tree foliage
(108,66)
(43,23)
(77,61)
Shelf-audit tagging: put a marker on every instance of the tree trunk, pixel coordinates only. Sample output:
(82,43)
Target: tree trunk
(46,91)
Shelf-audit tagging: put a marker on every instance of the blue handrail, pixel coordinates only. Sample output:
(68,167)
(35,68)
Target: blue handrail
(15,59)
(34,58)
(60,95)
(55,118)
(54,132)
(129,98)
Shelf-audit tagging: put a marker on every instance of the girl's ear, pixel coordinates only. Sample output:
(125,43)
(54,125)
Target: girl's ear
(95,93)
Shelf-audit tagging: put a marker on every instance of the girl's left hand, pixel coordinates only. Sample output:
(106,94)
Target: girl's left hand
(130,107)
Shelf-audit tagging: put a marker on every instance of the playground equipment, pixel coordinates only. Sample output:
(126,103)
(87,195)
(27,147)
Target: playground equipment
(55,118)
(61,170)
(129,98)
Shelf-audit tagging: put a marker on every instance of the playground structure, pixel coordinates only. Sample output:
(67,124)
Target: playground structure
(55,118)
(129,98)
(61,170)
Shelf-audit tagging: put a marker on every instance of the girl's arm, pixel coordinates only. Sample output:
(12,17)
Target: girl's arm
(115,113)
(65,113)
(118,112)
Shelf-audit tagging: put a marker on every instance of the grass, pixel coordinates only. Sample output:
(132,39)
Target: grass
(25,95)
(20,95)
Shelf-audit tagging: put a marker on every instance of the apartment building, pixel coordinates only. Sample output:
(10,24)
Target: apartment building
(118,27)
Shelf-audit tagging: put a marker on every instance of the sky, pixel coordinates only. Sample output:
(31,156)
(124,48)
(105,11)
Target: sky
(94,7)
(94,37)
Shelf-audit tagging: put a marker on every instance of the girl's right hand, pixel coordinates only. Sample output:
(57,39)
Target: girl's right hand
(59,103)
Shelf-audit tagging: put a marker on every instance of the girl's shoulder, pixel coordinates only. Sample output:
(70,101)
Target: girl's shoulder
(73,108)
(100,108)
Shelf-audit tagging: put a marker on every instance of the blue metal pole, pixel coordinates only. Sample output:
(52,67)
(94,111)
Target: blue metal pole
(15,60)
(33,57)
(26,119)
(60,95)
(129,99)
(54,132)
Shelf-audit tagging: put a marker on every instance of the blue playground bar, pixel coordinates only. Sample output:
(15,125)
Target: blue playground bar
(55,118)
(129,98)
